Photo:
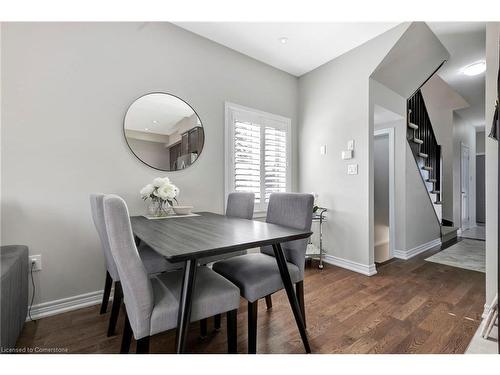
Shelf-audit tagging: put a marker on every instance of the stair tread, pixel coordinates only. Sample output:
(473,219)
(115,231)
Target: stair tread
(435,192)
(427,168)
(431,180)
(416,140)
(412,125)
(422,155)
(438,202)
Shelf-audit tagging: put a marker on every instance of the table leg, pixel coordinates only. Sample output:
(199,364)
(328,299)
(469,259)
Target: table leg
(185,302)
(292,297)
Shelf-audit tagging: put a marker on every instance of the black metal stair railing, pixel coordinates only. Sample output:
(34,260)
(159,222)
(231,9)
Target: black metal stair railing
(424,146)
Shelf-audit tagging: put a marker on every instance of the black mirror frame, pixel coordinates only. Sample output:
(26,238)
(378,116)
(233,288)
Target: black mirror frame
(128,144)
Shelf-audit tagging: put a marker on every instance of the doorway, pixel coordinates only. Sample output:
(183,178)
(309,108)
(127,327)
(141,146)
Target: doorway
(480,190)
(383,151)
(464,187)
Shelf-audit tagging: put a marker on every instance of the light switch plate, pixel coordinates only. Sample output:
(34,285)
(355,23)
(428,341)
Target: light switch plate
(352,169)
(37,260)
(346,155)
(322,150)
(350,145)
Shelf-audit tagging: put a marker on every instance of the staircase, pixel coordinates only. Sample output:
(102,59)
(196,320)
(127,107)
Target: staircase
(427,154)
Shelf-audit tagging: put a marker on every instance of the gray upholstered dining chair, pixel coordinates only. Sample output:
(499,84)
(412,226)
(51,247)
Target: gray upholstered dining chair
(153,262)
(239,205)
(152,303)
(257,275)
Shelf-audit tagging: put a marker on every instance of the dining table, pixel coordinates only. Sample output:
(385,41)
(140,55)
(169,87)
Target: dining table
(187,239)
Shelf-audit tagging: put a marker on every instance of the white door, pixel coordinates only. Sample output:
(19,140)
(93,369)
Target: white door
(464,183)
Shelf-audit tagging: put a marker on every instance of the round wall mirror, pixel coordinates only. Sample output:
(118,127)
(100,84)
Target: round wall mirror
(163,131)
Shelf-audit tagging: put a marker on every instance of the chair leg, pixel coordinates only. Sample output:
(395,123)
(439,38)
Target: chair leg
(269,302)
(217,319)
(115,309)
(299,289)
(252,327)
(105,296)
(232,332)
(203,328)
(143,345)
(127,336)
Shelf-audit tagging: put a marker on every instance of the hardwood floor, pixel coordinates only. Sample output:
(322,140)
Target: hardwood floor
(410,306)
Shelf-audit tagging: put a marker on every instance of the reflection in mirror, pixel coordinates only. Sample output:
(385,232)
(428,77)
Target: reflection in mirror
(164,132)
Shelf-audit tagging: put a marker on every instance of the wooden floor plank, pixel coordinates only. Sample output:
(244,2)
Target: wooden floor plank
(410,306)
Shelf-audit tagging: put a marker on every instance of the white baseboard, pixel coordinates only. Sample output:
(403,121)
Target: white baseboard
(486,311)
(63,305)
(350,265)
(407,254)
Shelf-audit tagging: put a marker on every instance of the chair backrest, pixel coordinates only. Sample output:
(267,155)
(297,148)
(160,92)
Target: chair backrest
(136,285)
(240,205)
(97,208)
(292,210)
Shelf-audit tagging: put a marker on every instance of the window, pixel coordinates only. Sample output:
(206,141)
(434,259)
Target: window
(257,153)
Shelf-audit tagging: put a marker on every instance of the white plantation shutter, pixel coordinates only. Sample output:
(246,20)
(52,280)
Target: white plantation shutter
(275,161)
(257,153)
(247,149)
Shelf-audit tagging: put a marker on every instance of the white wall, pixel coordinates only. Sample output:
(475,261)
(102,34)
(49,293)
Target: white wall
(334,108)
(381,197)
(480,177)
(480,142)
(463,133)
(411,61)
(492,42)
(1,117)
(65,90)
(480,189)
(422,225)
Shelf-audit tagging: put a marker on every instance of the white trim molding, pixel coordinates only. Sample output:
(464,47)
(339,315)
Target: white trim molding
(407,254)
(486,311)
(63,305)
(392,189)
(233,112)
(368,270)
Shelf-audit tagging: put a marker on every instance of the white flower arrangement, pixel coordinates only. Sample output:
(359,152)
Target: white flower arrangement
(160,191)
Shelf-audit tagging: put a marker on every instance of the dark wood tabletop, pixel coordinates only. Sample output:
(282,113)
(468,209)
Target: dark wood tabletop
(183,238)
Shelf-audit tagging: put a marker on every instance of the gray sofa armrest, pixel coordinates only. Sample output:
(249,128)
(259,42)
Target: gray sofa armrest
(13,293)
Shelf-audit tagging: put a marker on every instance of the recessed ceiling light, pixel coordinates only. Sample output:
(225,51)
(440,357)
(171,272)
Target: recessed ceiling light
(475,68)
(155,121)
(146,129)
(283,40)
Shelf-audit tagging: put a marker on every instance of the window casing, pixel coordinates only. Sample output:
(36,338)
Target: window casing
(257,153)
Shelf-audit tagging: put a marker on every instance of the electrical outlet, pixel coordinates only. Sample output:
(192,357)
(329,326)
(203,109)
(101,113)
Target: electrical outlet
(37,260)
(322,150)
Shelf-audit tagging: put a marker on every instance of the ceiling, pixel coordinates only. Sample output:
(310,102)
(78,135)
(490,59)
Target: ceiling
(466,43)
(309,44)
